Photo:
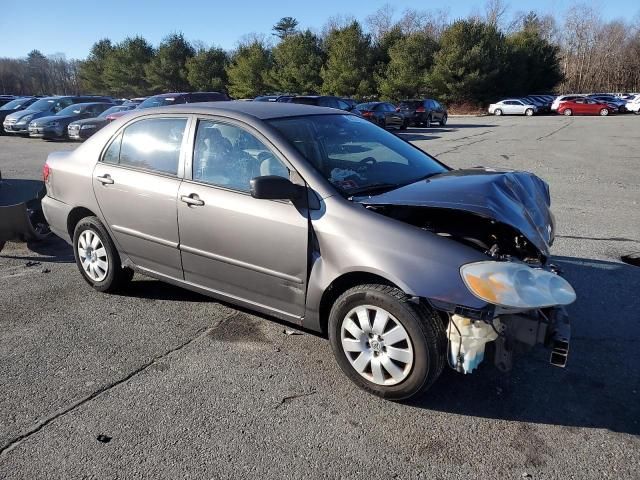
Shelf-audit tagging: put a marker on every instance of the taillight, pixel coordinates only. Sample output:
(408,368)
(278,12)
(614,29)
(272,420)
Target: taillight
(46,171)
(397,109)
(420,109)
(367,114)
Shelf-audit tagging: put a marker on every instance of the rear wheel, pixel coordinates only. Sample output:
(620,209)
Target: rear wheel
(568,112)
(528,112)
(497,112)
(604,112)
(403,125)
(386,344)
(443,122)
(427,124)
(97,258)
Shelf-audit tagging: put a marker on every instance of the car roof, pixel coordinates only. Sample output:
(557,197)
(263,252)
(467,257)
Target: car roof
(259,110)
(84,104)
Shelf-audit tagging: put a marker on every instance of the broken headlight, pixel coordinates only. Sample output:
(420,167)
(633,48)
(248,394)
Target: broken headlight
(516,285)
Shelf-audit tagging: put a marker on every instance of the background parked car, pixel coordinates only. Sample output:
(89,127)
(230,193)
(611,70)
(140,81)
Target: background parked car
(6,99)
(620,103)
(13,106)
(318,101)
(18,122)
(633,104)
(83,129)
(382,114)
(586,106)
(55,126)
(513,106)
(166,99)
(564,98)
(423,112)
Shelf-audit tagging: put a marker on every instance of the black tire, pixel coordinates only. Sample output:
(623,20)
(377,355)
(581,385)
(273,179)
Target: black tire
(2,242)
(116,277)
(404,125)
(427,124)
(443,122)
(425,329)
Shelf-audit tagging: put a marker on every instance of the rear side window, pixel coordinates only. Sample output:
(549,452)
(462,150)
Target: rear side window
(152,144)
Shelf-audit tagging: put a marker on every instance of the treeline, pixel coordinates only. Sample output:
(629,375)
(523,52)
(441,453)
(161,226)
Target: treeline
(474,60)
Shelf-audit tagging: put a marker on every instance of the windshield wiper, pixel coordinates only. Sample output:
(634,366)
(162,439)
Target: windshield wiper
(374,187)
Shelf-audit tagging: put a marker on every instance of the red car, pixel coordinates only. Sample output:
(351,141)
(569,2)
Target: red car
(586,106)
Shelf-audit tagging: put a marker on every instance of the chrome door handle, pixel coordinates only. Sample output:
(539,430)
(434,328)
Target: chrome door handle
(192,200)
(105,179)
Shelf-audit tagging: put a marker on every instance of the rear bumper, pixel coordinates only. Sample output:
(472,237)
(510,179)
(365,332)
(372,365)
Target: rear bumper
(57,213)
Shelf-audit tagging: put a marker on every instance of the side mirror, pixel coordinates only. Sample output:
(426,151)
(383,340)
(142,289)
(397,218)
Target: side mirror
(273,187)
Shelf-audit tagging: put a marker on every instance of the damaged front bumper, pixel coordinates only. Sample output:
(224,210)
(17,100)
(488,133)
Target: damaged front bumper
(508,334)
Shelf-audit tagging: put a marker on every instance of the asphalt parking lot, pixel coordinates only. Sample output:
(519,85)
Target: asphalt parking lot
(179,386)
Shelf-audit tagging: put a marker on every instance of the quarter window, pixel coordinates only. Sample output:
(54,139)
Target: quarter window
(229,156)
(153,144)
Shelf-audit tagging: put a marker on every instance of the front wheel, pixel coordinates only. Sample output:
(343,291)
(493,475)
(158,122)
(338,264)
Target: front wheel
(604,112)
(97,258)
(427,124)
(386,344)
(528,112)
(443,122)
(568,112)
(497,112)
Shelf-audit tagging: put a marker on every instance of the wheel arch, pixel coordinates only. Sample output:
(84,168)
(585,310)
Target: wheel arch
(343,283)
(75,215)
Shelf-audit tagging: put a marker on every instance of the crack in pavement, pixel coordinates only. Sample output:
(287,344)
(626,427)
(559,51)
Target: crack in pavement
(570,122)
(7,447)
(464,144)
(602,239)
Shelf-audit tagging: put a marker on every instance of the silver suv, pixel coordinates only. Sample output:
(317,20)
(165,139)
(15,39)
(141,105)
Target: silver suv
(320,218)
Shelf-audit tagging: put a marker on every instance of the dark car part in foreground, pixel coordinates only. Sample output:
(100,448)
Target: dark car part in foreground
(21,217)
(405,264)
(422,113)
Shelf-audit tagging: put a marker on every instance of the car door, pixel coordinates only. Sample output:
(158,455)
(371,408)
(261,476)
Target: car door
(136,185)
(250,250)
(394,118)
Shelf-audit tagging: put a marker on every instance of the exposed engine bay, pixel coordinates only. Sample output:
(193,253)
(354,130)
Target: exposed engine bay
(490,236)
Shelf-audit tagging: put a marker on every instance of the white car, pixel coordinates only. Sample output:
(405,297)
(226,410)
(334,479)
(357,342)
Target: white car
(633,105)
(563,98)
(513,106)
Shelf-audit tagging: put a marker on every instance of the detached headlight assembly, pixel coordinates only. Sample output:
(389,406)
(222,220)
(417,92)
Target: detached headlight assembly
(515,285)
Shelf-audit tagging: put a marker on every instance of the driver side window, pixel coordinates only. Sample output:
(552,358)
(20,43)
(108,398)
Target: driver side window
(228,156)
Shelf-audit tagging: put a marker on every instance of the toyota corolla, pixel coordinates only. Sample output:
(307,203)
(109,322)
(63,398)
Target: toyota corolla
(320,218)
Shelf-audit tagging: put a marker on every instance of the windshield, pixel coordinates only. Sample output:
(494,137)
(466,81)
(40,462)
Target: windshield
(43,104)
(13,104)
(162,101)
(117,108)
(356,156)
(70,110)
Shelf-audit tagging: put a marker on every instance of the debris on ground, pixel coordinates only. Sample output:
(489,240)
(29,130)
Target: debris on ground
(288,331)
(103,438)
(46,270)
(31,263)
(293,397)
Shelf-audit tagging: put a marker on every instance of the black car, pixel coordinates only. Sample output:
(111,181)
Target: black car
(166,99)
(83,129)
(423,112)
(55,126)
(318,101)
(13,106)
(382,114)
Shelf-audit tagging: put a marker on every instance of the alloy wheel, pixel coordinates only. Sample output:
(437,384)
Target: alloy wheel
(498,112)
(377,345)
(568,112)
(93,255)
(604,112)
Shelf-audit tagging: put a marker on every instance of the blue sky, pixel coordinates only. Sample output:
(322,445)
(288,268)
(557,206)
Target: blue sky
(71,28)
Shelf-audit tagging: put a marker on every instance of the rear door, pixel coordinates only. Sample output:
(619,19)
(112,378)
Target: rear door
(136,185)
(253,251)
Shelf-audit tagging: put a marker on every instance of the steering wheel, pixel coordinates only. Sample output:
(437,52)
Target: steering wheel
(366,163)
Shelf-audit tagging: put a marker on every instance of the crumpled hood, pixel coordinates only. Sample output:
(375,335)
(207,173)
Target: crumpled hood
(518,199)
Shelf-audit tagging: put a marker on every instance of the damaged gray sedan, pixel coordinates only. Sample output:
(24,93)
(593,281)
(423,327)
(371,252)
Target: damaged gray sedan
(319,218)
